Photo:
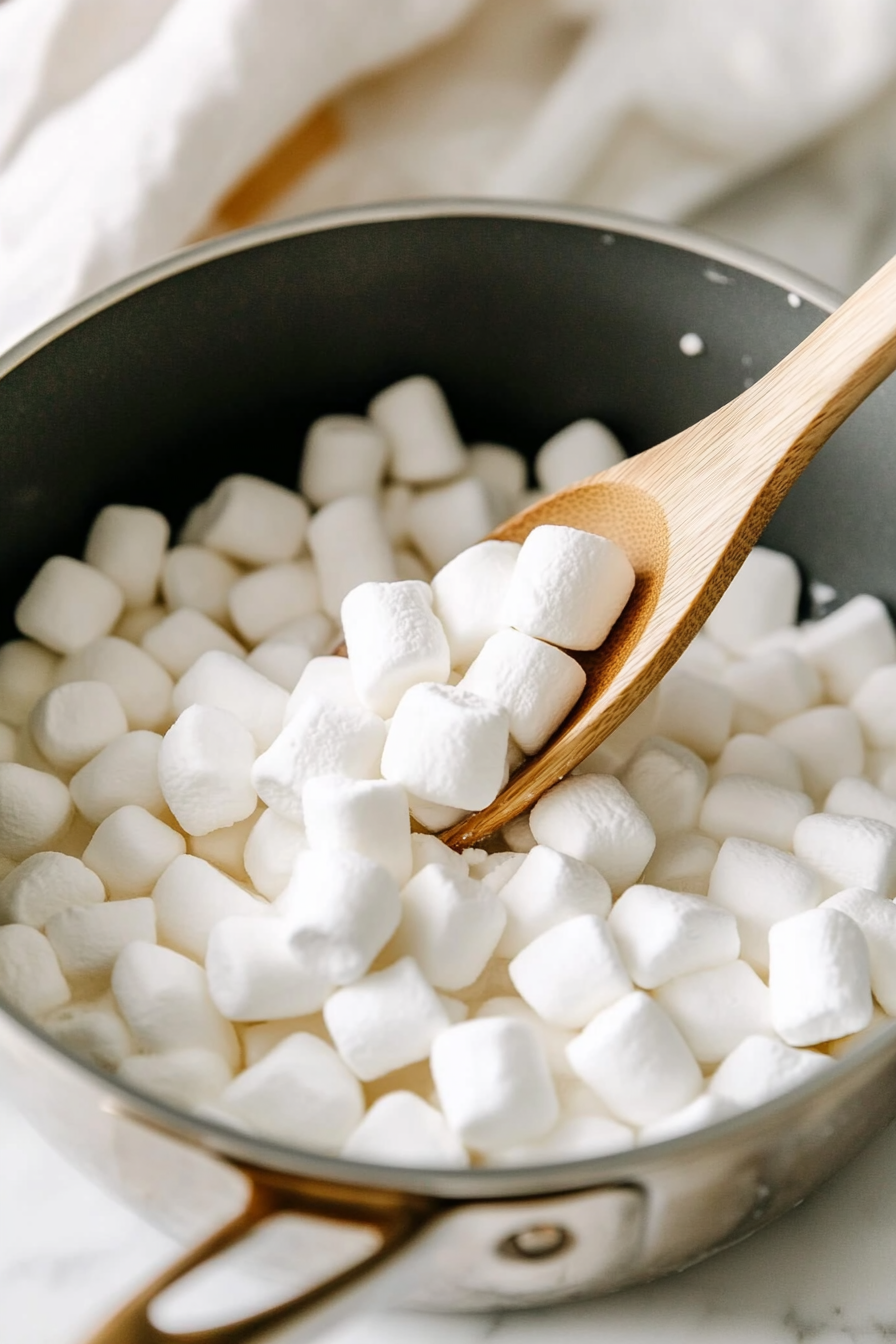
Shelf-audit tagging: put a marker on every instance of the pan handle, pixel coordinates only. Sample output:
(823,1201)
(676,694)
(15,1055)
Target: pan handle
(393,1218)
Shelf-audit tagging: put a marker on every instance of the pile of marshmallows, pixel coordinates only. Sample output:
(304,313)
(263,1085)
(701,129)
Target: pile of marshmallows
(214,884)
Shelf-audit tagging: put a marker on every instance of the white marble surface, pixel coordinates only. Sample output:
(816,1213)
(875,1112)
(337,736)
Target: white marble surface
(826,1273)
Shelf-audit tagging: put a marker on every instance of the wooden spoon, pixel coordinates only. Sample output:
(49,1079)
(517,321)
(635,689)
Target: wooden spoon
(687,513)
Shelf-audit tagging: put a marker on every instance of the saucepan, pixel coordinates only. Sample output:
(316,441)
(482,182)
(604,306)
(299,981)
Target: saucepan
(215,360)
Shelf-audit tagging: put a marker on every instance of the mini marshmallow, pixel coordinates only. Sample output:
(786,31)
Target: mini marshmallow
(420,430)
(43,885)
(568,587)
(740,805)
(448,746)
(205,768)
(268,598)
(320,739)
(254,521)
(581,449)
(694,712)
(769,687)
(342,566)
(468,595)
(31,980)
(819,977)
(271,850)
(848,851)
(385,1020)
(138,621)
(94,1031)
(87,941)
(224,847)
(190,898)
(68,604)
(35,810)
(343,455)
(542,890)
(554,1040)
(705,1110)
(593,818)
(401,1129)
(704,658)
(395,501)
(394,641)
(682,862)
(182,1078)
(435,816)
(536,683)
(141,684)
(850,644)
(341,909)
(668,782)
(300,1094)
(366,816)
(876,917)
(761,885)
(253,974)
(496,870)
(179,639)
(718,1008)
(663,934)
(225,682)
(27,671)
(125,771)
(315,630)
(281,661)
(327,679)
(762,1067)
(874,704)
(430,849)
(200,579)
(130,850)
(571,971)
(127,544)
(502,469)
(444,521)
(164,999)
(616,750)
(636,1060)
(493,1082)
(494,982)
(72,723)
(763,597)
(573,1138)
(827,742)
(259,1038)
(752,754)
(852,797)
(517,835)
(450,925)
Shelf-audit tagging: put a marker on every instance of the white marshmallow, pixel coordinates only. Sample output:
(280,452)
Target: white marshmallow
(543,889)
(571,971)
(741,805)
(401,1129)
(141,684)
(130,850)
(554,1040)
(329,679)
(127,544)
(448,746)
(763,597)
(819,977)
(27,671)
(761,885)
(254,521)
(573,1138)
(617,749)
(395,501)
(72,723)
(502,469)
(350,546)
(366,816)
(535,682)
(848,851)
(93,1031)
(827,742)
(393,640)
(430,849)
(182,1078)
(320,739)
(517,835)
(30,976)
(164,999)
(281,661)
(704,658)
(705,1110)
(876,917)
(857,798)
(190,898)
(43,885)
(205,767)
(880,1021)
(35,810)
(636,1060)
(68,604)
(668,782)
(435,816)
(468,595)
(135,622)
(769,687)
(185,635)
(694,712)
(880,766)
(259,1038)
(581,449)
(200,579)
(850,644)
(271,850)
(253,974)
(385,1020)
(718,1008)
(269,598)
(224,847)
(340,909)
(450,925)
(663,934)
(422,436)
(752,754)
(444,521)
(87,941)
(496,870)
(762,1067)
(682,862)
(568,587)
(315,630)
(225,682)
(300,1093)
(593,818)
(493,1082)
(874,704)
(343,455)
(125,771)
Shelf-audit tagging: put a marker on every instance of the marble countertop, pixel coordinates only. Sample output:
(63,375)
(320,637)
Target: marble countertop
(826,1273)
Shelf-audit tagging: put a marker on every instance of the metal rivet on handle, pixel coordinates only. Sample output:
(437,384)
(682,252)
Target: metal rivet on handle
(536,1243)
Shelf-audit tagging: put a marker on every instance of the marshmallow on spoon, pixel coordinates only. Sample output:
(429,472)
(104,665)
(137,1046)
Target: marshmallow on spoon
(450,925)
(754,809)
(44,884)
(368,817)
(468,595)
(761,885)
(571,971)
(68,604)
(447,746)
(127,544)
(581,449)
(72,723)
(141,684)
(763,597)
(35,810)
(200,579)
(27,671)
(343,455)
(542,890)
(420,430)
(668,782)
(535,682)
(394,641)
(663,934)
(125,771)
(819,977)
(594,818)
(568,587)
(254,521)
(341,566)
(385,1020)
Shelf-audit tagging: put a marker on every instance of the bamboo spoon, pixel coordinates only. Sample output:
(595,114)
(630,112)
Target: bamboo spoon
(687,513)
